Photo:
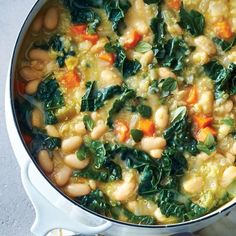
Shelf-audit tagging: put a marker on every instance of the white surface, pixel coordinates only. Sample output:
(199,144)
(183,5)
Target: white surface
(16,213)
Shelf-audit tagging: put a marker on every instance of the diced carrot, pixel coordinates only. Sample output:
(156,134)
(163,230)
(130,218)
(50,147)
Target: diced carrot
(71,79)
(27,138)
(135,37)
(203,133)
(78,29)
(147,126)
(109,57)
(192,96)
(19,86)
(202,122)
(121,130)
(93,38)
(174,4)
(223,29)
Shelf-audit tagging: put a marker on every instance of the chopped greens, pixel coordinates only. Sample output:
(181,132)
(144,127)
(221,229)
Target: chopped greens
(143,47)
(82,153)
(167,86)
(208,146)
(136,134)
(223,44)
(144,110)
(88,122)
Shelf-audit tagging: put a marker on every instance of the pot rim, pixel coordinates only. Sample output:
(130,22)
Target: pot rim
(17,45)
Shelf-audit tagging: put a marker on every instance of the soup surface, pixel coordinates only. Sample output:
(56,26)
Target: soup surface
(129,107)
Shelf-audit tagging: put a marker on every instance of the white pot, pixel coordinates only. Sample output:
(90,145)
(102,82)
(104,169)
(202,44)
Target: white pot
(53,208)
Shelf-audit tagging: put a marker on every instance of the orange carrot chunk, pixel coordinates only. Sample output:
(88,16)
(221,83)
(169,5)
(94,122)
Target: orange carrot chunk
(192,96)
(135,37)
(109,57)
(147,126)
(202,122)
(204,132)
(71,79)
(174,4)
(78,29)
(121,130)
(223,29)
(93,38)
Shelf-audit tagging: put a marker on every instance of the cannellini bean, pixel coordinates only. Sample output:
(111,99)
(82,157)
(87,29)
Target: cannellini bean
(52,131)
(206,45)
(206,102)
(63,175)
(99,131)
(110,78)
(175,29)
(162,117)
(165,72)
(95,116)
(225,108)
(73,162)
(150,143)
(233,148)
(99,46)
(126,189)
(80,128)
(228,176)
(37,65)
(39,54)
(200,57)
(51,18)
(37,118)
(156,153)
(45,161)
(223,131)
(37,24)
(193,185)
(77,190)
(230,157)
(147,58)
(92,184)
(32,86)
(202,156)
(28,74)
(71,144)
(162,218)
(142,27)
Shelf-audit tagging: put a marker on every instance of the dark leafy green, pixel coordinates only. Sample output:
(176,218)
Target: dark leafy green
(208,146)
(82,153)
(223,44)
(136,134)
(143,47)
(51,96)
(122,63)
(192,21)
(88,122)
(144,110)
(224,78)
(167,86)
(152,1)
(94,99)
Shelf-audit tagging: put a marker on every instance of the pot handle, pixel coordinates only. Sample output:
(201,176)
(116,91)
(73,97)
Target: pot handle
(49,217)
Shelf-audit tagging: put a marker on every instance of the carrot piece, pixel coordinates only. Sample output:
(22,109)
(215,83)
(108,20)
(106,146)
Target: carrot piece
(174,4)
(135,37)
(93,38)
(27,138)
(192,96)
(71,79)
(147,126)
(78,29)
(19,86)
(109,57)
(202,122)
(121,130)
(223,29)
(203,133)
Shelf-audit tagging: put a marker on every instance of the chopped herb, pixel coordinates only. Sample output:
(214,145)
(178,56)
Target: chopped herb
(136,134)
(144,110)
(88,122)
(223,44)
(167,86)
(208,146)
(228,121)
(143,47)
(82,153)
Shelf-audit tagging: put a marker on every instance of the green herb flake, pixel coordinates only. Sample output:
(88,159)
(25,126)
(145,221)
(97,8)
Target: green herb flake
(228,121)
(82,153)
(137,135)
(88,122)
(143,47)
(144,110)
(167,86)
(208,146)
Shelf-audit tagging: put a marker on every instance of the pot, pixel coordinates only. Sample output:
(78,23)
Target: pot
(53,208)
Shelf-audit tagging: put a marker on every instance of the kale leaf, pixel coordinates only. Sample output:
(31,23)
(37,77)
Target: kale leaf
(88,122)
(192,21)
(153,1)
(224,78)
(223,44)
(94,99)
(116,10)
(122,63)
(51,96)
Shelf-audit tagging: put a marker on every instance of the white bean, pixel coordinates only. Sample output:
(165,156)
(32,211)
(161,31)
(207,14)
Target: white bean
(77,190)
(92,184)
(175,29)
(206,102)
(193,185)
(52,131)
(37,118)
(156,153)
(225,108)
(98,131)
(233,148)
(45,161)
(200,57)
(205,45)
(147,58)
(230,157)
(80,128)
(51,18)
(223,131)
(162,117)
(150,143)
(162,218)
(73,162)
(228,176)
(39,55)
(109,78)
(165,73)
(37,24)
(28,74)
(32,86)
(63,175)
(71,144)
